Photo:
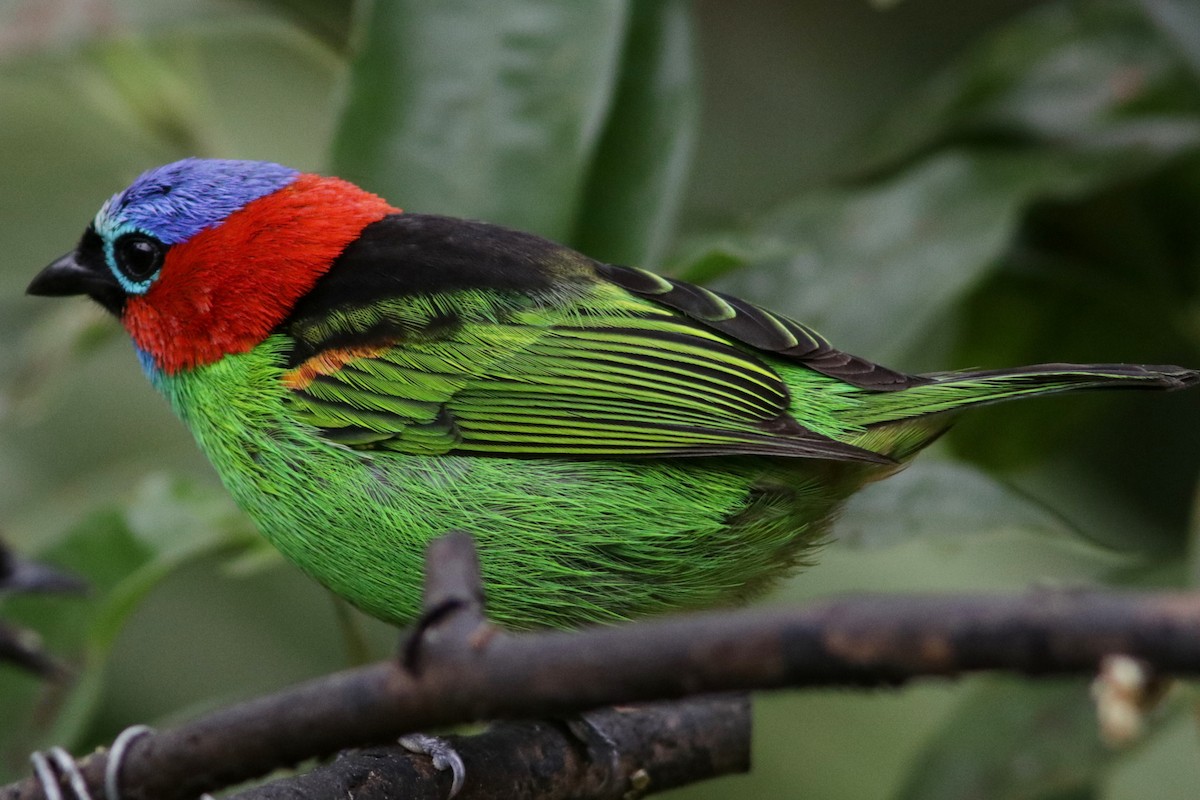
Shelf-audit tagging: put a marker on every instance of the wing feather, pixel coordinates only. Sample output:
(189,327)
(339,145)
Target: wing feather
(760,329)
(485,341)
(627,384)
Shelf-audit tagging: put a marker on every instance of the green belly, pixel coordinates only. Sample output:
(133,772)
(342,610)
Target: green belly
(561,542)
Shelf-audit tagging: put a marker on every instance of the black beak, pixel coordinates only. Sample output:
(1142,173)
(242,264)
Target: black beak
(64,276)
(80,274)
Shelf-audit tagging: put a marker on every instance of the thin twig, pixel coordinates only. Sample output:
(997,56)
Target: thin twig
(18,576)
(658,746)
(857,641)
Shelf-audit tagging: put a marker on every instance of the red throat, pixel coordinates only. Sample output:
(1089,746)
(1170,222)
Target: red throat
(226,288)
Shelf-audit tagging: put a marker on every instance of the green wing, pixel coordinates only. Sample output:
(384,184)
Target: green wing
(602,374)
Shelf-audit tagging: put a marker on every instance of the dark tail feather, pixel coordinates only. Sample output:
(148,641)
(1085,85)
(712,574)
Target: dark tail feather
(1084,376)
(948,391)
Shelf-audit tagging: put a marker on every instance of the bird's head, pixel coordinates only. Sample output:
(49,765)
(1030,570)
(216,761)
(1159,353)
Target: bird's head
(202,258)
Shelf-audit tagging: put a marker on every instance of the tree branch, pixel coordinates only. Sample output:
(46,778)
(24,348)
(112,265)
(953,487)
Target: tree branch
(469,670)
(656,747)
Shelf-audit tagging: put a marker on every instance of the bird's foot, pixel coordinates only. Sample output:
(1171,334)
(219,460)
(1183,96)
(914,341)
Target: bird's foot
(598,744)
(443,755)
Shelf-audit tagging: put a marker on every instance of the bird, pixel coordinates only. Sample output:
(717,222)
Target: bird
(619,443)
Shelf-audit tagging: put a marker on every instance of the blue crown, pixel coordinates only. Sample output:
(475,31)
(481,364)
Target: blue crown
(176,201)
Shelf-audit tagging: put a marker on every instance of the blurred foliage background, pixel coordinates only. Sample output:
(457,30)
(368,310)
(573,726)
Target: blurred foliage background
(930,183)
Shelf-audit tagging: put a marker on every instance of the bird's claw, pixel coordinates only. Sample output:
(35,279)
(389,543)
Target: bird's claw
(600,746)
(441,753)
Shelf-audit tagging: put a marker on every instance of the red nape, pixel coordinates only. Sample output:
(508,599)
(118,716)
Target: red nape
(223,290)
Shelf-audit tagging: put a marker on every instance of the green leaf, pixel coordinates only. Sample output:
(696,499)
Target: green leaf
(635,186)
(1012,739)
(1109,277)
(1166,767)
(1179,22)
(872,268)
(1061,103)
(492,111)
(122,555)
(330,22)
(941,498)
(1089,77)
(708,257)
(180,519)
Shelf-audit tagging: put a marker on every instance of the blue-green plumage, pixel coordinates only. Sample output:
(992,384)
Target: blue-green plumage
(619,444)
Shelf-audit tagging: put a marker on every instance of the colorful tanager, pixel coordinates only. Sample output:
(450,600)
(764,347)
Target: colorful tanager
(618,443)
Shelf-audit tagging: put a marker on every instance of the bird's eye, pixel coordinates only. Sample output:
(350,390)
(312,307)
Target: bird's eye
(138,256)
